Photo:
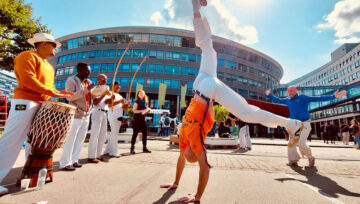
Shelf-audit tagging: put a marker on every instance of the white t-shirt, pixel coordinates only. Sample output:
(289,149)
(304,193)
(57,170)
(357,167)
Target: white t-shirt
(118,111)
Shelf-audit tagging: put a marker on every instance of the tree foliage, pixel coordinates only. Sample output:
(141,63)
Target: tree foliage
(16,26)
(221,113)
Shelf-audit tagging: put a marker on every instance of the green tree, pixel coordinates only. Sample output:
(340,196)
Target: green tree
(16,26)
(221,113)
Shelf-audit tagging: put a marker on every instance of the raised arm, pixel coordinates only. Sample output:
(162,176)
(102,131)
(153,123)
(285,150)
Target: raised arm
(274,98)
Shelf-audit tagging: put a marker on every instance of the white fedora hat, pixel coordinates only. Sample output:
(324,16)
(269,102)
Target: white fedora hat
(42,37)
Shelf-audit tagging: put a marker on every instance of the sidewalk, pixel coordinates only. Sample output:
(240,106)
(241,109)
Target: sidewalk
(277,142)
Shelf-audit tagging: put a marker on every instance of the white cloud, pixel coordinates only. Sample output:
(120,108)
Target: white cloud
(345,20)
(156,18)
(347,40)
(179,13)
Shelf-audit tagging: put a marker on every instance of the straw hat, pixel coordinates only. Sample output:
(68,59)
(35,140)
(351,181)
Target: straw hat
(42,37)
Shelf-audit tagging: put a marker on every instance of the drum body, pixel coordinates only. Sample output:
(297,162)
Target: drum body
(48,132)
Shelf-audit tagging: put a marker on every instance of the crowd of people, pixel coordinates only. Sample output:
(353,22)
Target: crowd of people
(346,132)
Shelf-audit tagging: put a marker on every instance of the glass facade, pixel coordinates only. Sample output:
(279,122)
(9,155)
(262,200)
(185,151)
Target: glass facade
(172,59)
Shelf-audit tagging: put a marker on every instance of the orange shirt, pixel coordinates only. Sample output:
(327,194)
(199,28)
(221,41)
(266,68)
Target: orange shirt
(35,77)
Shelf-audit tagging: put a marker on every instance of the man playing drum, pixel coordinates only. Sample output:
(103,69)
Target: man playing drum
(35,78)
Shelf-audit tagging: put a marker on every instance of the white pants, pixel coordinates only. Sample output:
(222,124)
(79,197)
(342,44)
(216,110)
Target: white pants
(293,155)
(112,144)
(74,142)
(98,133)
(16,129)
(244,137)
(209,85)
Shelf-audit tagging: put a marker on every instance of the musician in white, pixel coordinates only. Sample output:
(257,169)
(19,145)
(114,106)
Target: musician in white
(98,122)
(35,79)
(116,107)
(81,86)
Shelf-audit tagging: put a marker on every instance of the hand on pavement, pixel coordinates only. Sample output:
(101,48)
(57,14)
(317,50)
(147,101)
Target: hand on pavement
(188,198)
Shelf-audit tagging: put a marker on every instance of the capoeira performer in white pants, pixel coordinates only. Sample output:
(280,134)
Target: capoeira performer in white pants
(81,86)
(298,107)
(207,84)
(244,137)
(209,88)
(118,103)
(98,123)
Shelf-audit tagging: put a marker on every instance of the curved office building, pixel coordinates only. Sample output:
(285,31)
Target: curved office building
(173,59)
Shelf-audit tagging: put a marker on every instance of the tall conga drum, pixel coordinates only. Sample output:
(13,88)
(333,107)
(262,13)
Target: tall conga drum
(48,131)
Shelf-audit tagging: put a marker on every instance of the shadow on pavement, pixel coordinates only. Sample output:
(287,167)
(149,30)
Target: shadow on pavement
(10,180)
(165,197)
(326,186)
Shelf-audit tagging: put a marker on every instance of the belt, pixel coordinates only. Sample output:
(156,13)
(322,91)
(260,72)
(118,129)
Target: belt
(103,110)
(202,95)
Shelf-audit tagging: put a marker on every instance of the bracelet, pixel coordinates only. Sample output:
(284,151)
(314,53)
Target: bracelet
(176,183)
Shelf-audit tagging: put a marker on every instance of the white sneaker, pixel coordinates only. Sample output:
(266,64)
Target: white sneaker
(3,190)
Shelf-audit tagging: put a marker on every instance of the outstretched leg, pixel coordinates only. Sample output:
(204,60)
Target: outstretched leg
(207,83)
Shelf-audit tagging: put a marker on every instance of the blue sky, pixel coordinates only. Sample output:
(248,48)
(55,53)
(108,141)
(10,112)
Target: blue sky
(299,34)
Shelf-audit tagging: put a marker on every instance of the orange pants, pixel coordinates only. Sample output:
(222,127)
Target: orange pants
(190,128)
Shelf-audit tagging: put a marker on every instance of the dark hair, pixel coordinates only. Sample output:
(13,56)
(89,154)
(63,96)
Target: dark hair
(81,65)
(116,83)
(37,44)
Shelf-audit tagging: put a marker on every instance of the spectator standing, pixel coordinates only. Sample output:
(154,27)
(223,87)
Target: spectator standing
(344,129)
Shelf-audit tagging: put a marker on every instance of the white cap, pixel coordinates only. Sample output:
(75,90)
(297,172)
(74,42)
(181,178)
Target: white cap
(42,37)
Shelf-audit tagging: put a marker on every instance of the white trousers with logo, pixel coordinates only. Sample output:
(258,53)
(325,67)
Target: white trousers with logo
(209,85)
(305,150)
(98,133)
(74,142)
(16,129)
(112,145)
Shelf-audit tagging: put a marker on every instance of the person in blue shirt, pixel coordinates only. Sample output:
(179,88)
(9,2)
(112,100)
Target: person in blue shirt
(298,107)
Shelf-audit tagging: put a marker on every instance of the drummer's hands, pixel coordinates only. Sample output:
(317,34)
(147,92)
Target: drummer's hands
(128,102)
(91,86)
(63,94)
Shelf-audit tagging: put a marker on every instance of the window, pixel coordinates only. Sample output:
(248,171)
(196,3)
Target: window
(138,81)
(107,67)
(127,54)
(188,70)
(172,55)
(156,68)
(139,53)
(172,69)
(172,84)
(154,83)
(188,57)
(221,62)
(123,81)
(230,64)
(134,67)
(95,54)
(124,67)
(190,84)
(156,54)
(94,67)
(109,53)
